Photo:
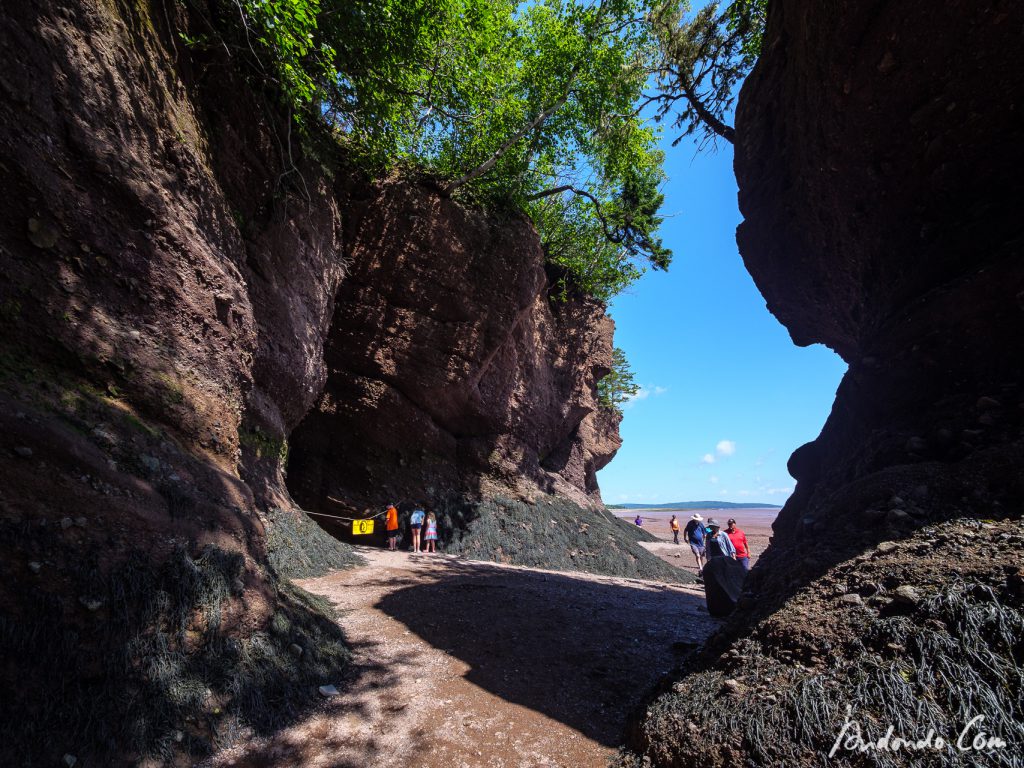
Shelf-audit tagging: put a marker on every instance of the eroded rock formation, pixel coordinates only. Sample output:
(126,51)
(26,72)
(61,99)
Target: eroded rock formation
(173,270)
(878,153)
(451,370)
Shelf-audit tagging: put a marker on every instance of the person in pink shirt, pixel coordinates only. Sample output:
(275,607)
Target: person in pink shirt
(739,541)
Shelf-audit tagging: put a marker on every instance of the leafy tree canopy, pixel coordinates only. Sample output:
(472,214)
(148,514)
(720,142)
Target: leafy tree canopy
(535,104)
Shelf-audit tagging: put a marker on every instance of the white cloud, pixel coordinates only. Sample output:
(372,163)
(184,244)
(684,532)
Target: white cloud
(640,394)
(643,393)
(777,491)
(713,479)
(726,447)
(708,459)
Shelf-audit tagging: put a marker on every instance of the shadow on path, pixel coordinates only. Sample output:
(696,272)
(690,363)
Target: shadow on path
(578,650)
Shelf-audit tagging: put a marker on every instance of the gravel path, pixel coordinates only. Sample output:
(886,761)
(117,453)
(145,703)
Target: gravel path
(465,663)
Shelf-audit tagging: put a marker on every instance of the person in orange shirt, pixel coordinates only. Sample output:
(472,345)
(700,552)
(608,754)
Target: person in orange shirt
(391,526)
(674,525)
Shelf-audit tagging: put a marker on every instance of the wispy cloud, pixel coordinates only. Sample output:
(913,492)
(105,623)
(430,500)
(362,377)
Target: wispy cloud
(643,393)
(708,459)
(726,447)
(713,479)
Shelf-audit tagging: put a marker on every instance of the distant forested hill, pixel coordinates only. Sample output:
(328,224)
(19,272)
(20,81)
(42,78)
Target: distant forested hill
(696,505)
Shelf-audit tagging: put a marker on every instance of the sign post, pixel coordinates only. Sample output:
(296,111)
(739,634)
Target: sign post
(362,527)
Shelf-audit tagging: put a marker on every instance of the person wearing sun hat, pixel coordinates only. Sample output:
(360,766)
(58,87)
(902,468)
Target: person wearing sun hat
(717,543)
(694,535)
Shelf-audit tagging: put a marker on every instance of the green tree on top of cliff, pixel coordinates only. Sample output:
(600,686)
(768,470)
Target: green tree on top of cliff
(538,104)
(703,59)
(618,386)
(533,104)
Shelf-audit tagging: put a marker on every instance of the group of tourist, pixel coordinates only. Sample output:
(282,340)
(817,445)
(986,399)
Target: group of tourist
(423,526)
(708,540)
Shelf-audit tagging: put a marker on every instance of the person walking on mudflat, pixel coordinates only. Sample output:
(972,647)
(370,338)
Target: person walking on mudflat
(694,535)
(391,527)
(674,525)
(416,523)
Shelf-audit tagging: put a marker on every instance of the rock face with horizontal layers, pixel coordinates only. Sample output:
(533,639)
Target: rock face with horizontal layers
(878,154)
(173,272)
(451,369)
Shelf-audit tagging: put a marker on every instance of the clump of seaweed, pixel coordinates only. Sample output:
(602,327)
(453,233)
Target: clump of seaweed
(957,656)
(298,548)
(551,533)
(148,664)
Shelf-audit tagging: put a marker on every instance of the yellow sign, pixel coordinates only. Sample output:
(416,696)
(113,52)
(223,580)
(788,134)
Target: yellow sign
(360,527)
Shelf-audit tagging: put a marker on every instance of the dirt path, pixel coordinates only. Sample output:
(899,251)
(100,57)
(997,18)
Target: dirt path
(464,663)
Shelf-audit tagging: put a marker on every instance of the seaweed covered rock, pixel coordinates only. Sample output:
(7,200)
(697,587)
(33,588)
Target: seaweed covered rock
(877,154)
(551,533)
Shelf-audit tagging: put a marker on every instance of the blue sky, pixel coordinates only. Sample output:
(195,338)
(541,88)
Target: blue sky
(726,395)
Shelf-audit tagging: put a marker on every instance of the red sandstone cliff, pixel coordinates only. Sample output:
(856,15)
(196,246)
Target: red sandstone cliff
(878,154)
(180,290)
(451,371)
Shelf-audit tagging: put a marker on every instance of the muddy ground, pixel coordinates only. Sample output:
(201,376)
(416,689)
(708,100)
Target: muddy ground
(464,663)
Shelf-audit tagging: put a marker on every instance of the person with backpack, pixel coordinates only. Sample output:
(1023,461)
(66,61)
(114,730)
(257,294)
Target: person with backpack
(723,576)
(416,524)
(694,535)
(674,525)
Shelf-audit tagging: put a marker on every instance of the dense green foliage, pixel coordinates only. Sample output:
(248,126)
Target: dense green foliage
(618,386)
(532,105)
(538,105)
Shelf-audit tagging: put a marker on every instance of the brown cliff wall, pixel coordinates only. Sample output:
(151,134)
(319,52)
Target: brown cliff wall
(878,154)
(165,293)
(173,304)
(451,372)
